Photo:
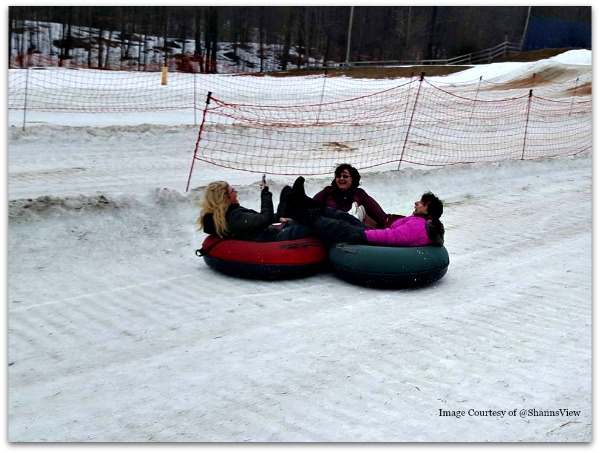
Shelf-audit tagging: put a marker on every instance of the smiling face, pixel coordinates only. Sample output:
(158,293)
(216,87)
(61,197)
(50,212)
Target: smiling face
(343,180)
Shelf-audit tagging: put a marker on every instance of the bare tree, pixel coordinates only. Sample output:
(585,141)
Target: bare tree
(211,39)
(262,37)
(379,32)
(198,56)
(287,40)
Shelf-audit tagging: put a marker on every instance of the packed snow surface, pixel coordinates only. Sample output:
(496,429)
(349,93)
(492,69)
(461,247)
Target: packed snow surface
(117,332)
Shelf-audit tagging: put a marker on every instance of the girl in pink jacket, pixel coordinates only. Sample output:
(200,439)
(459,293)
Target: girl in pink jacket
(332,226)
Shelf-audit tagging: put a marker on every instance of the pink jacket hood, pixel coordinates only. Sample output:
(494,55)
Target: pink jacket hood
(406,232)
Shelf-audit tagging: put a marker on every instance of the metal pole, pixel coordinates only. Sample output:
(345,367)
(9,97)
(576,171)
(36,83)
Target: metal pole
(526,25)
(349,34)
(25,100)
(408,30)
(412,116)
(187,187)
(195,99)
(322,93)
(573,99)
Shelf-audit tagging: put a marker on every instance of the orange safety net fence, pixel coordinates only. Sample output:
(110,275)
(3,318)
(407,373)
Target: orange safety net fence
(417,123)
(309,124)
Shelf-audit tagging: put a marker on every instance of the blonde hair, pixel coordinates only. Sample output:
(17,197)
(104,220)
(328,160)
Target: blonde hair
(216,202)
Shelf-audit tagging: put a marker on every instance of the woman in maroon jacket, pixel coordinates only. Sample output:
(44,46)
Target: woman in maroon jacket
(344,192)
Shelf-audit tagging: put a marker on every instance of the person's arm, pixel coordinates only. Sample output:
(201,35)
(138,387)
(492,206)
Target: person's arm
(244,220)
(407,232)
(321,197)
(372,208)
(266,204)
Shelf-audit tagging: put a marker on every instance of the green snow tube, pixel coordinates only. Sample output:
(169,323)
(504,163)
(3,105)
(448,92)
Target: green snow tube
(389,267)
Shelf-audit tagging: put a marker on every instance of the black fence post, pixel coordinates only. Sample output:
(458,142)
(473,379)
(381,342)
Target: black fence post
(526,123)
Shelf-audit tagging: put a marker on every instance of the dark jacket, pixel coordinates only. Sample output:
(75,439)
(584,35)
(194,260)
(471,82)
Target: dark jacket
(248,225)
(343,199)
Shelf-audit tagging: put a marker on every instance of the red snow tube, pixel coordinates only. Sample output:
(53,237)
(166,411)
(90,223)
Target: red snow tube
(264,260)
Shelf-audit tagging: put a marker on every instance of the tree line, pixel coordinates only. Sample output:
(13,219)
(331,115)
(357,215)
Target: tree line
(328,33)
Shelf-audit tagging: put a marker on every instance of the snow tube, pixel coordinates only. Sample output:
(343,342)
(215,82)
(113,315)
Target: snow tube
(264,260)
(389,267)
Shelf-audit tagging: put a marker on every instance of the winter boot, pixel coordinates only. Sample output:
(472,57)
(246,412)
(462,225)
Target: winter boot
(299,196)
(357,211)
(284,202)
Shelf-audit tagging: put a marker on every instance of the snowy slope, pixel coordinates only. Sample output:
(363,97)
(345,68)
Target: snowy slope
(117,332)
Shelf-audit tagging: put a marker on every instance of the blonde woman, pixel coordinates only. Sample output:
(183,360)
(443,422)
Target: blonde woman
(222,215)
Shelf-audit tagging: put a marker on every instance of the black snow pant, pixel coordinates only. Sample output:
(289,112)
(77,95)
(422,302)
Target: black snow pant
(288,231)
(333,226)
